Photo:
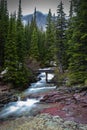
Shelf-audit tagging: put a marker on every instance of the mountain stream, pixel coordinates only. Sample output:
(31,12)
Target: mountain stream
(29,106)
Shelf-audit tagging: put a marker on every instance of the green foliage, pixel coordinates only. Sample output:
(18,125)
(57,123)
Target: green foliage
(77,77)
(21,43)
(21,78)
(17,72)
(61,77)
(86,82)
(78,46)
(11,59)
(61,38)
(18,77)
(50,40)
(41,46)
(20,36)
(34,53)
(4,19)
(65,45)
(27,38)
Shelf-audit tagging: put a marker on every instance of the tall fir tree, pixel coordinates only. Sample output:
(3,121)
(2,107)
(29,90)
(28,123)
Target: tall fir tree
(22,73)
(20,36)
(41,46)
(50,39)
(4,21)
(11,59)
(33,23)
(61,38)
(27,38)
(69,31)
(71,9)
(34,53)
(78,59)
(34,18)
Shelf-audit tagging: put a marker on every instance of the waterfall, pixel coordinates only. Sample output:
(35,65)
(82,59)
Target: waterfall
(19,98)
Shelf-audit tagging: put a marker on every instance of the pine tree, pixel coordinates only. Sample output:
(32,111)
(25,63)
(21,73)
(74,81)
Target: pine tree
(61,38)
(11,59)
(33,22)
(71,9)
(78,59)
(34,18)
(34,53)
(50,40)
(69,31)
(27,38)
(4,20)
(41,46)
(20,36)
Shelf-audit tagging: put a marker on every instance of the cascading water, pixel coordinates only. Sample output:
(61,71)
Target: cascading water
(20,108)
(41,86)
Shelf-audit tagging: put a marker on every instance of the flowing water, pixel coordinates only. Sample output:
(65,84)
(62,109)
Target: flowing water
(28,107)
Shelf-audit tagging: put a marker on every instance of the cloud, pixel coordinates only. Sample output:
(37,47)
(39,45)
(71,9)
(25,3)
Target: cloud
(41,5)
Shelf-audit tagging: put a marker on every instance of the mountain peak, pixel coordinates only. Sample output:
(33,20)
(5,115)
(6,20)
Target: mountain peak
(40,19)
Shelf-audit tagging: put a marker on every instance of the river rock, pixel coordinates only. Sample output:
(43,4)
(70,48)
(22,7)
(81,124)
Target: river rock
(42,122)
(6,98)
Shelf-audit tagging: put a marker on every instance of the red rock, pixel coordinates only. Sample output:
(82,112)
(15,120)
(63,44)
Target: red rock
(55,111)
(68,106)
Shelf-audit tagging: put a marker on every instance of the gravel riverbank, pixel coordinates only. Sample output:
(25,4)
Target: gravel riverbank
(41,122)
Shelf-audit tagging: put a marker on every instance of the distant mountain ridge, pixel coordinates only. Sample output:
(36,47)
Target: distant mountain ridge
(40,19)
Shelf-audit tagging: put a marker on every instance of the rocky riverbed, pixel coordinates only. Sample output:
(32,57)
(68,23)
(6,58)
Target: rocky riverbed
(68,104)
(41,122)
(61,109)
(7,94)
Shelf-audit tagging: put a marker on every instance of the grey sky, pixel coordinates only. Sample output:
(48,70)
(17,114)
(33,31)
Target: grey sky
(41,5)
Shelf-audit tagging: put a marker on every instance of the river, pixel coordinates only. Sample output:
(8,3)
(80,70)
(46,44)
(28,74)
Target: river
(30,105)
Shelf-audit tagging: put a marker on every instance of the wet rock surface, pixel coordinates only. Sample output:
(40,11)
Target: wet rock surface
(6,95)
(41,122)
(68,105)
(66,109)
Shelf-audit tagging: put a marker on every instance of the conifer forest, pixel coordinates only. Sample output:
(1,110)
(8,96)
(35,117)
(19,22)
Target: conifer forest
(43,67)
(63,43)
